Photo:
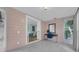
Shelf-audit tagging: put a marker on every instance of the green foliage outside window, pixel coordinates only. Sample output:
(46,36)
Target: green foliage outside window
(68,24)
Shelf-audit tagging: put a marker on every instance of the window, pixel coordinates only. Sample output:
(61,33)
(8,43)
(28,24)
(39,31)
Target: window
(52,27)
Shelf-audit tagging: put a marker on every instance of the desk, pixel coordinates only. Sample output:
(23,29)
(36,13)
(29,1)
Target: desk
(54,35)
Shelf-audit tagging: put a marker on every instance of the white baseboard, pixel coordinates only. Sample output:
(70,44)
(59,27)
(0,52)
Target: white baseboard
(32,42)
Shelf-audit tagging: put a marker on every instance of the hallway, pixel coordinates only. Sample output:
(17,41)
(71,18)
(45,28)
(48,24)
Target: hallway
(44,46)
(27,24)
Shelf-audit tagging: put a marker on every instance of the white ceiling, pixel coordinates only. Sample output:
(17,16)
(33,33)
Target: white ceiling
(32,22)
(52,12)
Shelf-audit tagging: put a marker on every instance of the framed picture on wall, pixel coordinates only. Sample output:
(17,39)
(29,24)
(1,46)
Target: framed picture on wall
(52,27)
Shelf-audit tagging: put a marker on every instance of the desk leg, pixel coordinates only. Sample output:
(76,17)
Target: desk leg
(57,39)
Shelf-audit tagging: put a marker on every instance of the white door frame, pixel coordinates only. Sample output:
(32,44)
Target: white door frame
(38,29)
(64,27)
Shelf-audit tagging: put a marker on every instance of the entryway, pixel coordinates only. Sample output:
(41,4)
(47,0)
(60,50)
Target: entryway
(68,31)
(33,29)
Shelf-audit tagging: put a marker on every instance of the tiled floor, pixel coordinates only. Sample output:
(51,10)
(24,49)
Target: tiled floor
(45,46)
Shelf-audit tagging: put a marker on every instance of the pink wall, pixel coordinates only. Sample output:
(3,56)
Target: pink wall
(44,27)
(59,28)
(16,21)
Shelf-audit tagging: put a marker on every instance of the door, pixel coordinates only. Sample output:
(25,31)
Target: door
(33,29)
(68,31)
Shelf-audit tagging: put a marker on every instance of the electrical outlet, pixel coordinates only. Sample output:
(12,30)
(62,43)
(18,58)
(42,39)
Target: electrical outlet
(18,43)
(18,32)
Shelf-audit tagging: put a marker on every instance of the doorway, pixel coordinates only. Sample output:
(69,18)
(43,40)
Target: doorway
(33,32)
(68,31)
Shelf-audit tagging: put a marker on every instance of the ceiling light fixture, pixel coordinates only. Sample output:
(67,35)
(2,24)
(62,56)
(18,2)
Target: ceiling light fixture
(44,12)
(45,8)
